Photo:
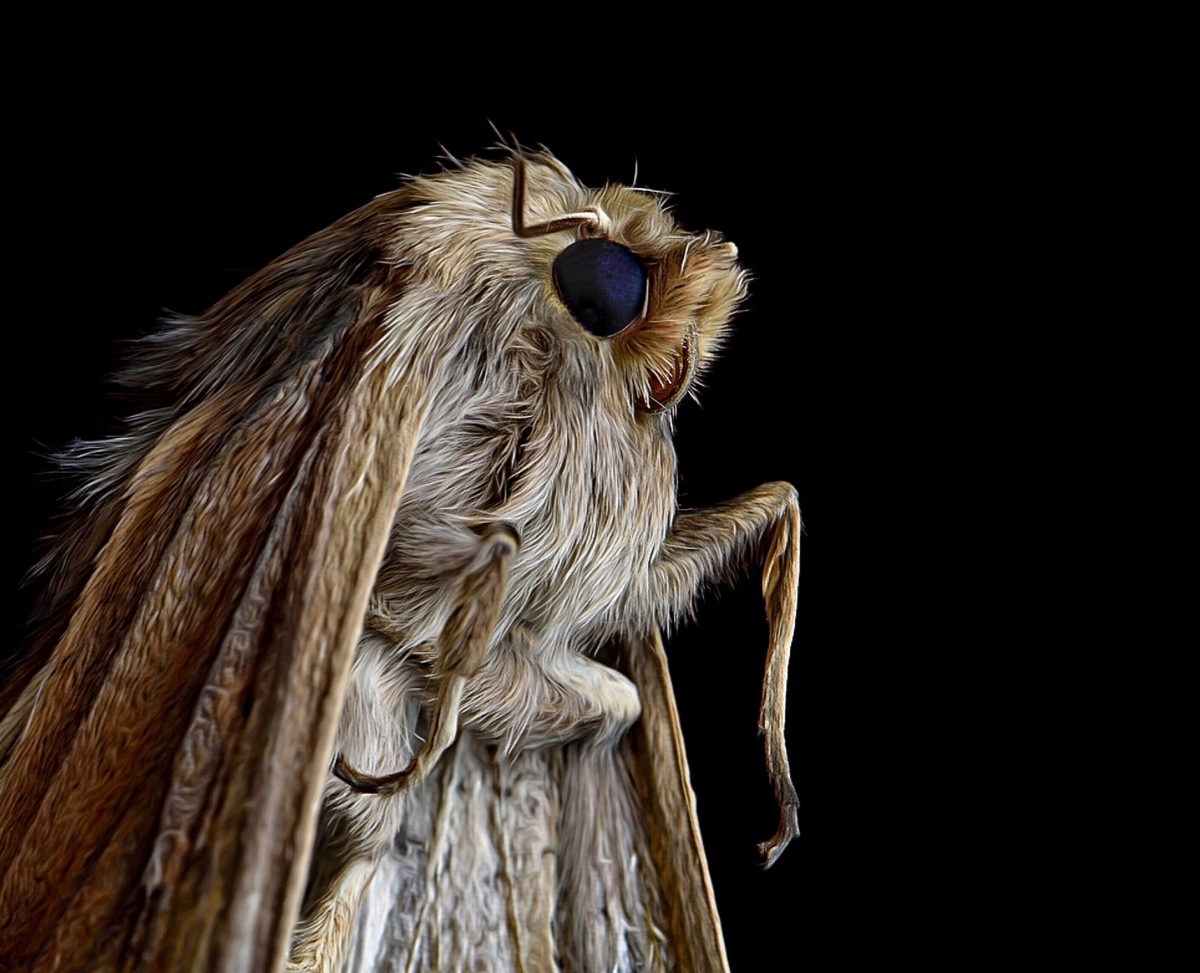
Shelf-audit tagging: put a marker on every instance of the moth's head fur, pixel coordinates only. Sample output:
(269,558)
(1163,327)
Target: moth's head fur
(694,281)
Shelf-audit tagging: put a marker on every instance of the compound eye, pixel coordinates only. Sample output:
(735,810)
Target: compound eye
(602,284)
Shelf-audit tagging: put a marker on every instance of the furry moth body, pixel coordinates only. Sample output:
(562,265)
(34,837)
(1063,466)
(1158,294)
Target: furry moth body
(351,658)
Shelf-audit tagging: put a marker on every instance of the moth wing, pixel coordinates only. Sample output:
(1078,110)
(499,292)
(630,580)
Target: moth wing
(660,768)
(164,754)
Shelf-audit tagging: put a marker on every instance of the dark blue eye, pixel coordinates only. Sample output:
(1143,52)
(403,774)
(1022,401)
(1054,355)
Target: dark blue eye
(602,284)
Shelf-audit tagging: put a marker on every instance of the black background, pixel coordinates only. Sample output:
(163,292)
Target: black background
(961,346)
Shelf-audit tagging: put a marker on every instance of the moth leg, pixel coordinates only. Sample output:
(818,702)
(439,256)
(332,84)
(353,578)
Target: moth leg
(460,652)
(320,939)
(526,696)
(760,526)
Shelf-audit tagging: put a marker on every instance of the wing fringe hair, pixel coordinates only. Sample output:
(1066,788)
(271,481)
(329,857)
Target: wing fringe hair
(122,849)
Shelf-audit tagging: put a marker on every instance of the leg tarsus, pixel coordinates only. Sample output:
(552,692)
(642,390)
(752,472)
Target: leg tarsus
(461,647)
(788,829)
(443,728)
(781,576)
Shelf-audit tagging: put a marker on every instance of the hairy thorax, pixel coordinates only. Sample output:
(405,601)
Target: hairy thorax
(587,486)
(590,500)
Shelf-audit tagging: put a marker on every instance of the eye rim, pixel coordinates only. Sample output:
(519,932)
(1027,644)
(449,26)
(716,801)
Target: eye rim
(588,292)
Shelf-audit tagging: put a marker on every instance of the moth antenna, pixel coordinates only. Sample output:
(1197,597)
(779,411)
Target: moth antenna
(595,217)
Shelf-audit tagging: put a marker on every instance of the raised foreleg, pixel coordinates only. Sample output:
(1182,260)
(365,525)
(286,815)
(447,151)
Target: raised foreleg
(715,544)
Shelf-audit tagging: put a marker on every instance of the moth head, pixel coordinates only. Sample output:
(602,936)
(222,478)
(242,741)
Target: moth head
(658,298)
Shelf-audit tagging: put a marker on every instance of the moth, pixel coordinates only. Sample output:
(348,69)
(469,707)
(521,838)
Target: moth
(351,655)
